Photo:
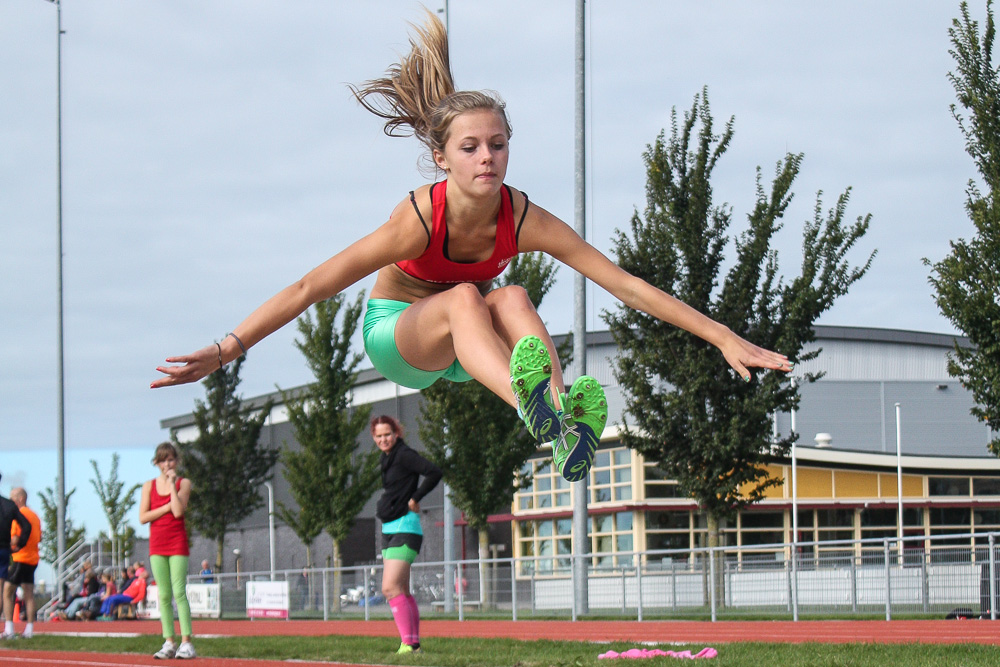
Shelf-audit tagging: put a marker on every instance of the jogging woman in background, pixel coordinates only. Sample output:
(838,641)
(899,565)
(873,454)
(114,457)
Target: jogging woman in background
(399,511)
(164,501)
(433,312)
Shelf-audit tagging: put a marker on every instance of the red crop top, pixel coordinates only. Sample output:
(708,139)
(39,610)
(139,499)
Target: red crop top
(435,266)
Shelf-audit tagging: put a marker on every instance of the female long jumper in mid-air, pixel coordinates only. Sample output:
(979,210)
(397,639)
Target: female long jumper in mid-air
(432,312)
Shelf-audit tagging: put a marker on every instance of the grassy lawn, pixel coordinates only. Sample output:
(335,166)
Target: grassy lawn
(444,652)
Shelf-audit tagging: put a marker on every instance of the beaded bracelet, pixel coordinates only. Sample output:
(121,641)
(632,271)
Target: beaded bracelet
(238,342)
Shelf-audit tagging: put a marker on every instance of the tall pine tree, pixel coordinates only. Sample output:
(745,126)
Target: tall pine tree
(967,281)
(705,427)
(478,440)
(329,480)
(226,463)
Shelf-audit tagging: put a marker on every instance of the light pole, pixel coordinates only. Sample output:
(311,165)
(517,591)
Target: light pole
(899,478)
(61,455)
(270,523)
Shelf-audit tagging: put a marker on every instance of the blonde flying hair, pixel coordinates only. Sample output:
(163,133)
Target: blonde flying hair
(417,95)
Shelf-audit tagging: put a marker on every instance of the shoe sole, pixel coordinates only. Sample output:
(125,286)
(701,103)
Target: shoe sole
(582,426)
(530,379)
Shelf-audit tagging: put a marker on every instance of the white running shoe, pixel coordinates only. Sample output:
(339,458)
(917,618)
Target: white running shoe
(7,635)
(167,652)
(27,634)
(185,651)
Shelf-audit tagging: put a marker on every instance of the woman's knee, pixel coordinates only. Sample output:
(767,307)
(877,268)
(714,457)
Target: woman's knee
(509,299)
(466,295)
(389,591)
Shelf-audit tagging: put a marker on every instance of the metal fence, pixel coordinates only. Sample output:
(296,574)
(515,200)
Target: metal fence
(939,576)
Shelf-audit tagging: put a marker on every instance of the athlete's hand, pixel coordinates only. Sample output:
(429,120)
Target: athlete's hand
(414,506)
(742,354)
(193,367)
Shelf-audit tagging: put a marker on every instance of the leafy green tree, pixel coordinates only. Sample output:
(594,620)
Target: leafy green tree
(49,546)
(477,439)
(328,479)
(226,463)
(967,281)
(116,503)
(706,428)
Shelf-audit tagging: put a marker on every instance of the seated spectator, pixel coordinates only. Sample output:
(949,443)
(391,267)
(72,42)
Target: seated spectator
(135,593)
(126,577)
(94,602)
(89,585)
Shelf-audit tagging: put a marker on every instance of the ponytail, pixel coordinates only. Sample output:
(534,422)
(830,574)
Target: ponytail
(417,96)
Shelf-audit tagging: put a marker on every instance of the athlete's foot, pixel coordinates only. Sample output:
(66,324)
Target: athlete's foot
(406,648)
(530,379)
(586,413)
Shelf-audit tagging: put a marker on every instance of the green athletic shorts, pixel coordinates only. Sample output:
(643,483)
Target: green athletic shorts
(379,332)
(401,546)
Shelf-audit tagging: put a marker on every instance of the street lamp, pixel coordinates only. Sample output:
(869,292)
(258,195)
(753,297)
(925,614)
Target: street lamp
(236,555)
(61,455)
(270,523)
(899,477)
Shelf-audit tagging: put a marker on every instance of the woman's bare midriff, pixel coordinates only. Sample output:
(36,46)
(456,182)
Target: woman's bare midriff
(392,283)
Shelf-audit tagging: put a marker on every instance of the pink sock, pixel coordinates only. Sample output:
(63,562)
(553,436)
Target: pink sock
(401,613)
(414,633)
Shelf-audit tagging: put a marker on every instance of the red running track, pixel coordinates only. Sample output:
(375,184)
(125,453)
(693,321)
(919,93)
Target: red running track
(660,632)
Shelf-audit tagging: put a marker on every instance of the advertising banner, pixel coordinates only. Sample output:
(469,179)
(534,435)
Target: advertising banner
(267,599)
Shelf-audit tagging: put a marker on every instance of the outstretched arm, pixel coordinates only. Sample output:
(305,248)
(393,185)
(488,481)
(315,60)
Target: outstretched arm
(399,238)
(544,232)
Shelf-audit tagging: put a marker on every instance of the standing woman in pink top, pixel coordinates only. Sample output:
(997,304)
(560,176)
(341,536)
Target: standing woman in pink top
(164,501)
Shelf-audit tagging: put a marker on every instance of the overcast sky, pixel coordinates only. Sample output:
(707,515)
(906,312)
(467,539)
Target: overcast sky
(212,154)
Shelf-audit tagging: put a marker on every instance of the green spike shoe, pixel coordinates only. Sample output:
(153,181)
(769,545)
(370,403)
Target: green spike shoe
(530,380)
(584,417)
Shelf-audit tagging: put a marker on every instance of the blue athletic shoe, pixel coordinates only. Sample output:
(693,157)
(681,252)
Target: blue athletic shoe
(530,379)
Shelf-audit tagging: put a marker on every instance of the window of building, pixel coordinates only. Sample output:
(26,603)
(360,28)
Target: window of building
(756,527)
(549,540)
(985,486)
(548,489)
(668,530)
(948,486)
(947,521)
(611,476)
(611,534)
(658,485)
(832,525)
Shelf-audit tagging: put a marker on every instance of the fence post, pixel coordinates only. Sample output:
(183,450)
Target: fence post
(673,584)
(925,582)
(993,580)
(624,594)
(854,582)
(888,580)
(534,568)
(461,591)
(795,582)
(711,579)
(638,583)
(572,579)
(513,589)
(788,583)
(326,595)
(364,594)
